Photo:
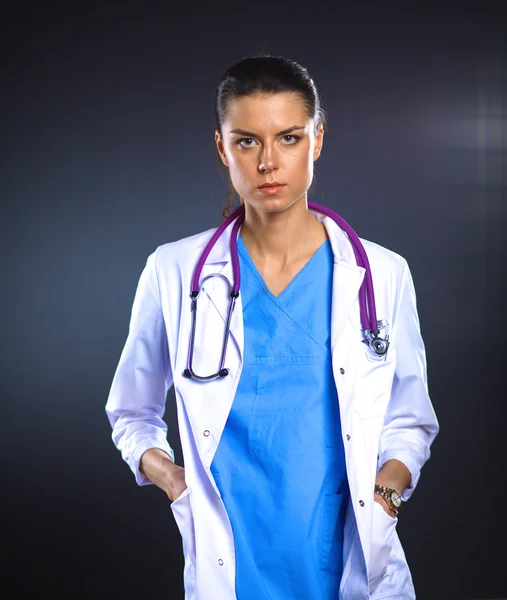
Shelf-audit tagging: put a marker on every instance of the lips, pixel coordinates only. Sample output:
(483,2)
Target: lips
(271,184)
(271,189)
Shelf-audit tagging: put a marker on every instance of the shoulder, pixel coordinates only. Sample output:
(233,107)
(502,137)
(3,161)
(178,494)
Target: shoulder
(383,258)
(181,251)
(389,269)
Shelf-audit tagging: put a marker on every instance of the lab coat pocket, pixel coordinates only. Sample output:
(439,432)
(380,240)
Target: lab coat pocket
(331,556)
(374,382)
(383,529)
(182,511)
(184,493)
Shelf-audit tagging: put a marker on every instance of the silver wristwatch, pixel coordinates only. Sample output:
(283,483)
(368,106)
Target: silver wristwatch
(390,495)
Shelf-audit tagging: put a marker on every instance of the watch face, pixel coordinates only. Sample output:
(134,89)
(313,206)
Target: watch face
(396,499)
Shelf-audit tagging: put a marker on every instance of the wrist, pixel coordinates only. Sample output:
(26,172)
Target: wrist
(379,500)
(391,496)
(158,467)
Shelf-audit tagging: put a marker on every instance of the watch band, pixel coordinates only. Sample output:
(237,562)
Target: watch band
(390,495)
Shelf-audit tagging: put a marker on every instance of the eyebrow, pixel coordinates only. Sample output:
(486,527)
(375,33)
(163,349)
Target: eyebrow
(251,134)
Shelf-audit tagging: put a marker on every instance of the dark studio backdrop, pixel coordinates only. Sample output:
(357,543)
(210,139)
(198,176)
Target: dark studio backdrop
(108,151)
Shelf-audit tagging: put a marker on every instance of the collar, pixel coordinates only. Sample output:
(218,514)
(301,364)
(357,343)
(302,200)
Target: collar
(340,244)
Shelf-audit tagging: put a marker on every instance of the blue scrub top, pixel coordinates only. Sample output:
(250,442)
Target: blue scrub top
(280,463)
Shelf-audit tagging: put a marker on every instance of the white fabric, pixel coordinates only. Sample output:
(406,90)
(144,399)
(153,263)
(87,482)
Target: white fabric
(385,408)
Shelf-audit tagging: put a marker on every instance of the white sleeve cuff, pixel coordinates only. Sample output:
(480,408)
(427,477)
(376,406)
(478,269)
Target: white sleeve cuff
(411,465)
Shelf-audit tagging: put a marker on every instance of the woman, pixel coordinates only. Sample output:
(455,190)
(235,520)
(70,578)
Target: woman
(297,454)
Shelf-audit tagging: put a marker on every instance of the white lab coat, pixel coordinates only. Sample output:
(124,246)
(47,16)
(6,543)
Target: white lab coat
(385,409)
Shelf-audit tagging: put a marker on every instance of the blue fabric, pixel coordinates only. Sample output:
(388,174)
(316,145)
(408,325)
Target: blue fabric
(280,464)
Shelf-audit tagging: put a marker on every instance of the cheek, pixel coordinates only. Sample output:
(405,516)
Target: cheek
(233,158)
(302,157)
(238,177)
(239,168)
(302,164)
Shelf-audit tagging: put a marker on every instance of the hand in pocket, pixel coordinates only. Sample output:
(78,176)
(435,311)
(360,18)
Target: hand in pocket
(177,484)
(383,528)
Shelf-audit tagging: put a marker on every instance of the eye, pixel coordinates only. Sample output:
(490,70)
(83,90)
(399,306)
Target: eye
(290,139)
(245,142)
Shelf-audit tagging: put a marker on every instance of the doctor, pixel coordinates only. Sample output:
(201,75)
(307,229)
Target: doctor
(299,457)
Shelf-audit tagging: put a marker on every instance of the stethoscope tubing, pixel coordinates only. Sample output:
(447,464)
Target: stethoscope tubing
(366,294)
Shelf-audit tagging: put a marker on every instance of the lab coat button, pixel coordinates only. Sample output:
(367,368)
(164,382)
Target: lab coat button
(220,562)
(361,502)
(348,436)
(342,370)
(205,433)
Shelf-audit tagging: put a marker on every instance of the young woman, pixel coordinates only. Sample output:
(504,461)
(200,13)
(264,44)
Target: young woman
(298,367)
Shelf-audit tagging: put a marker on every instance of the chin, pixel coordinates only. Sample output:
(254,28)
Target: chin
(270,203)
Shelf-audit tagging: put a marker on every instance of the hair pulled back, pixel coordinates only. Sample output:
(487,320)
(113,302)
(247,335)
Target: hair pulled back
(265,74)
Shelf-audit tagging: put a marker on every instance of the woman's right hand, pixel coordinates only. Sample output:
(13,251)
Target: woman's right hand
(156,465)
(177,484)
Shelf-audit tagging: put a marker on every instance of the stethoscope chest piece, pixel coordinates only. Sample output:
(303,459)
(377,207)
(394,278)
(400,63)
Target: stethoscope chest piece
(377,344)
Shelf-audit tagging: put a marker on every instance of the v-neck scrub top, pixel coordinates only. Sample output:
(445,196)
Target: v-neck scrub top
(280,464)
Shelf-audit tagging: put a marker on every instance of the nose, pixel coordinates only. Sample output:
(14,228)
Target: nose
(268,160)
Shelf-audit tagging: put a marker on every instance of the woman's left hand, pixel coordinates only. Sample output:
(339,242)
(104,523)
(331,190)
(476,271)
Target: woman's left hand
(378,498)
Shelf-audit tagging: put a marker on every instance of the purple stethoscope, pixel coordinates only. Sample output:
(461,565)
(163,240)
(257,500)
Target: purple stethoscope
(371,327)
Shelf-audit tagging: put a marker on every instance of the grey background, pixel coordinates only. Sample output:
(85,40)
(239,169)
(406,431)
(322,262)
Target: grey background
(108,151)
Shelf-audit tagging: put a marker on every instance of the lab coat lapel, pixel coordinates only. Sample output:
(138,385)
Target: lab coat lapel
(209,404)
(347,276)
(346,283)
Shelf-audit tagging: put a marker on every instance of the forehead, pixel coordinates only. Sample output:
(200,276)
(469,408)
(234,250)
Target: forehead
(266,111)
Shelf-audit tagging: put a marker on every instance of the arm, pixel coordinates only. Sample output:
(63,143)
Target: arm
(410,425)
(160,469)
(136,402)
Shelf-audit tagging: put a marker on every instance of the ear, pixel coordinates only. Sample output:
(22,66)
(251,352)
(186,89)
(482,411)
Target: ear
(220,147)
(319,140)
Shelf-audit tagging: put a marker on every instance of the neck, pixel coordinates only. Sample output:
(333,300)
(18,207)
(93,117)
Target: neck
(282,237)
